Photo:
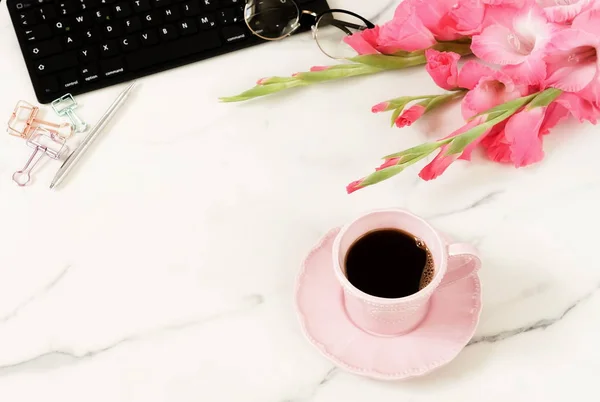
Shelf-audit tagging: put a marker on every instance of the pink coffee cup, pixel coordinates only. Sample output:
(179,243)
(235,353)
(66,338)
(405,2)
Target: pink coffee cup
(388,317)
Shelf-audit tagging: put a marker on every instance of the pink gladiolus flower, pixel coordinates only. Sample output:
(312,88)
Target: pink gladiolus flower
(572,58)
(380,107)
(522,132)
(518,140)
(519,42)
(447,19)
(410,115)
(404,32)
(562,11)
(443,68)
(578,107)
(355,185)
(440,163)
(471,72)
(364,42)
(388,163)
(490,91)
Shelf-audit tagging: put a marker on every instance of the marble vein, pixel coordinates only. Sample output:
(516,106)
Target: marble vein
(540,324)
(36,295)
(385,8)
(58,358)
(482,201)
(331,373)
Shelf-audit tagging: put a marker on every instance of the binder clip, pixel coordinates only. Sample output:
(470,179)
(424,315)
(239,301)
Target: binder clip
(65,106)
(24,121)
(43,142)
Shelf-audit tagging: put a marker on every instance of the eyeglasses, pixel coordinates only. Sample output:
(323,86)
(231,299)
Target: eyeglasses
(278,19)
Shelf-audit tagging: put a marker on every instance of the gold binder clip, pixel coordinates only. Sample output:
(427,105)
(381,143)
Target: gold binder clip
(23,121)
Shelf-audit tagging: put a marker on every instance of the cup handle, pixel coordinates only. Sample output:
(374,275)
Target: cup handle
(463,260)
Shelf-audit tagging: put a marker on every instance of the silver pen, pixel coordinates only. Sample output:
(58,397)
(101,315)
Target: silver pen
(72,159)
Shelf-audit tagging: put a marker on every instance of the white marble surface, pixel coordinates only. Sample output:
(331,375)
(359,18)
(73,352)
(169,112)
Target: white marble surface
(163,269)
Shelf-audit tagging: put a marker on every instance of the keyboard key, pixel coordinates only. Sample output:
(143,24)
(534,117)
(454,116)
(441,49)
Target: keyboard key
(39,32)
(69,79)
(46,48)
(112,30)
(191,8)
(61,26)
(186,46)
(160,3)
(228,16)
(82,21)
(132,25)
(88,4)
(109,49)
(90,73)
(59,62)
(67,8)
(102,15)
(122,10)
(149,37)
(130,43)
(187,27)
(88,54)
(209,4)
(171,14)
(139,6)
(152,19)
(27,18)
(72,41)
(168,32)
(112,67)
(207,21)
(46,13)
(234,33)
(92,35)
(48,85)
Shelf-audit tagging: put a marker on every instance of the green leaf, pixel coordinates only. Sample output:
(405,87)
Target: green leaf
(335,73)
(422,149)
(395,115)
(510,106)
(460,142)
(461,47)
(381,175)
(277,80)
(544,98)
(262,90)
(443,99)
(387,62)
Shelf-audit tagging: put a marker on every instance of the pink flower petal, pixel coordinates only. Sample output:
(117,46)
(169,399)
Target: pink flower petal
(438,165)
(388,163)
(408,34)
(569,62)
(497,148)
(489,92)
(493,46)
(587,21)
(523,134)
(380,107)
(471,72)
(410,115)
(581,109)
(531,72)
(563,11)
(355,185)
(468,15)
(554,114)
(364,42)
(443,68)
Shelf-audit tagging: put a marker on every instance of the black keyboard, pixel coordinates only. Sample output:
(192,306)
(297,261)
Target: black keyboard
(78,46)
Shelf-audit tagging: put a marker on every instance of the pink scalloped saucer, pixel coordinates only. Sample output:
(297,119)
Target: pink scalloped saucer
(436,341)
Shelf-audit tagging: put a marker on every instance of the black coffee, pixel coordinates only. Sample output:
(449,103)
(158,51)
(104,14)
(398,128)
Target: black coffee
(388,263)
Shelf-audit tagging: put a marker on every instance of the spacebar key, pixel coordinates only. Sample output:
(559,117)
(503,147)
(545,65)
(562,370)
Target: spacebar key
(173,50)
